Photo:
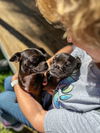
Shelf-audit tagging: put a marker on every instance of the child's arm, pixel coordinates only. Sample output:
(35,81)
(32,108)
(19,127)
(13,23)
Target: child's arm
(32,110)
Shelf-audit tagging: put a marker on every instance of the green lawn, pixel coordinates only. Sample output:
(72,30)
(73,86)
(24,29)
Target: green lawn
(3,130)
(3,75)
(25,130)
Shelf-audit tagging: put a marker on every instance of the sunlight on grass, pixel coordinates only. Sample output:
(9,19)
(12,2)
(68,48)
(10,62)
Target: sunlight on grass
(3,75)
(3,130)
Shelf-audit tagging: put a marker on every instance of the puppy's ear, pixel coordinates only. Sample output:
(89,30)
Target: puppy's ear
(44,52)
(78,62)
(16,57)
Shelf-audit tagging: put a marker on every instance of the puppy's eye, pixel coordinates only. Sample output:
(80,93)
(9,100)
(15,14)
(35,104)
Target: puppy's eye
(25,67)
(34,60)
(68,63)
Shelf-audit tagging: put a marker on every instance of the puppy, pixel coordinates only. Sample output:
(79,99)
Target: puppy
(62,66)
(32,65)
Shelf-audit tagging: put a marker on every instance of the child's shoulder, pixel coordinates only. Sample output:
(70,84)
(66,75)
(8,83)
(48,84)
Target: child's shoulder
(78,52)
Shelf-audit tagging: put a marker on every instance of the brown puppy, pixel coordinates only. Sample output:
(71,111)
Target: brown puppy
(32,65)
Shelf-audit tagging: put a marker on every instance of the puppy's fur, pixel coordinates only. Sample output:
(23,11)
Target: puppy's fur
(62,66)
(32,65)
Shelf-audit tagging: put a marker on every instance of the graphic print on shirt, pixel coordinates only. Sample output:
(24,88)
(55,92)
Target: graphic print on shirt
(64,97)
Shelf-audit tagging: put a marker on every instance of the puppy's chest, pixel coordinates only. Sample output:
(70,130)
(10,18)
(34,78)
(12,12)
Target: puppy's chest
(29,79)
(30,82)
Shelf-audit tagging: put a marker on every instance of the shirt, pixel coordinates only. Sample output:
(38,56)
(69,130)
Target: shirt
(75,103)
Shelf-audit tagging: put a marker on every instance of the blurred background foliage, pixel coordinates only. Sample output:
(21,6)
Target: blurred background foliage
(3,74)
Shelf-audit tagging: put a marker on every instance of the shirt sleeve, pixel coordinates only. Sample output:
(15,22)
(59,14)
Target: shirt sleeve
(54,121)
(66,121)
(58,121)
(77,52)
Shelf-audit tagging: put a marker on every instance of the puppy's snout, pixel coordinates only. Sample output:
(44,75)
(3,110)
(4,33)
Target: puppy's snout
(45,65)
(57,66)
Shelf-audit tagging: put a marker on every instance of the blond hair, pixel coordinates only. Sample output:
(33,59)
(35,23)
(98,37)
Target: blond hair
(82,17)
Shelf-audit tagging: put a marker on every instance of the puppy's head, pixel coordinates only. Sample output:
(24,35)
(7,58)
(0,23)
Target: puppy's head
(63,65)
(31,60)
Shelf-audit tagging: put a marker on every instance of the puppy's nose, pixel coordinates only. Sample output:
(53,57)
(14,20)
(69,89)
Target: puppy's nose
(45,65)
(56,66)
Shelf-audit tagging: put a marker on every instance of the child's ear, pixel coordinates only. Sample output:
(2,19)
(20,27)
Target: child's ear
(16,57)
(78,62)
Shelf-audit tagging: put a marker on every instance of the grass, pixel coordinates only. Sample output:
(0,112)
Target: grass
(25,130)
(3,75)
(3,130)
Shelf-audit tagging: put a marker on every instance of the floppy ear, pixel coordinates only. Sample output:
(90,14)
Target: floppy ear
(78,62)
(16,57)
(44,52)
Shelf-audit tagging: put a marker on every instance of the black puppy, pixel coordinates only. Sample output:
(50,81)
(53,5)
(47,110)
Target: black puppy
(62,66)
(32,65)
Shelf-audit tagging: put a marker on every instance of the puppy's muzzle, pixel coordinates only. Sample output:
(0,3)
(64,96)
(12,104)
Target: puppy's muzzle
(41,68)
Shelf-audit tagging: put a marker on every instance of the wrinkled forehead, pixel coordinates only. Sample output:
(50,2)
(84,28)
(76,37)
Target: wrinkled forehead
(31,53)
(62,57)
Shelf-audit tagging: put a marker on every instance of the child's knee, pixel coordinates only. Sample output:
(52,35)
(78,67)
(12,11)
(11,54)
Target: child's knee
(7,97)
